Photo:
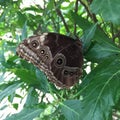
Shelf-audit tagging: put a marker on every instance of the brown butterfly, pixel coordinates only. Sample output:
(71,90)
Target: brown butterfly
(58,56)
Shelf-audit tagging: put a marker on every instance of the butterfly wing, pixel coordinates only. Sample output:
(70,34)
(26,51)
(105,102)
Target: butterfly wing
(58,56)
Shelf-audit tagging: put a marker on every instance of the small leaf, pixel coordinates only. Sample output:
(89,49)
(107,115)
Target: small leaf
(32,98)
(26,75)
(9,90)
(21,18)
(2,77)
(43,80)
(50,5)
(4,13)
(15,105)
(24,31)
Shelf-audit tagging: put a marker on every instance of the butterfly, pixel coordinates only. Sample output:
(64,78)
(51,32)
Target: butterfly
(58,56)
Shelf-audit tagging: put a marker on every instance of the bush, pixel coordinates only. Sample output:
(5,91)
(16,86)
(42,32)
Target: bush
(96,23)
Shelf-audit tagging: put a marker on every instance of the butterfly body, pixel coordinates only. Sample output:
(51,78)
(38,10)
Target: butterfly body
(58,56)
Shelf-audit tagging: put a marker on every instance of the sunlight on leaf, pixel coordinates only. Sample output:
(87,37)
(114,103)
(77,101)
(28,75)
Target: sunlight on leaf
(9,90)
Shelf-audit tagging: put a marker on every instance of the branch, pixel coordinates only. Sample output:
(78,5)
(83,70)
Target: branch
(112,31)
(116,35)
(76,9)
(62,18)
(90,1)
(54,25)
(92,16)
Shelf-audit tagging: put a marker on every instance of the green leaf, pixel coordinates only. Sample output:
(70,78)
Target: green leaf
(108,9)
(9,89)
(4,14)
(15,105)
(101,90)
(102,51)
(3,107)
(21,18)
(24,31)
(26,114)
(11,62)
(50,5)
(27,65)
(4,2)
(99,35)
(106,47)
(27,76)
(34,9)
(2,77)
(11,97)
(99,93)
(81,22)
(87,37)
(32,98)
(71,109)
(43,80)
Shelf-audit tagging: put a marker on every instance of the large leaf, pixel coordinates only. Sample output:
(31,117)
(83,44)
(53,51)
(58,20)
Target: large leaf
(103,90)
(108,8)
(106,47)
(100,92)
(87,37)
(101,51)
(26,114)
(71,109)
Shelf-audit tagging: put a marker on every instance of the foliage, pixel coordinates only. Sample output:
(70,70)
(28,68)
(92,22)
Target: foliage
(96,23)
